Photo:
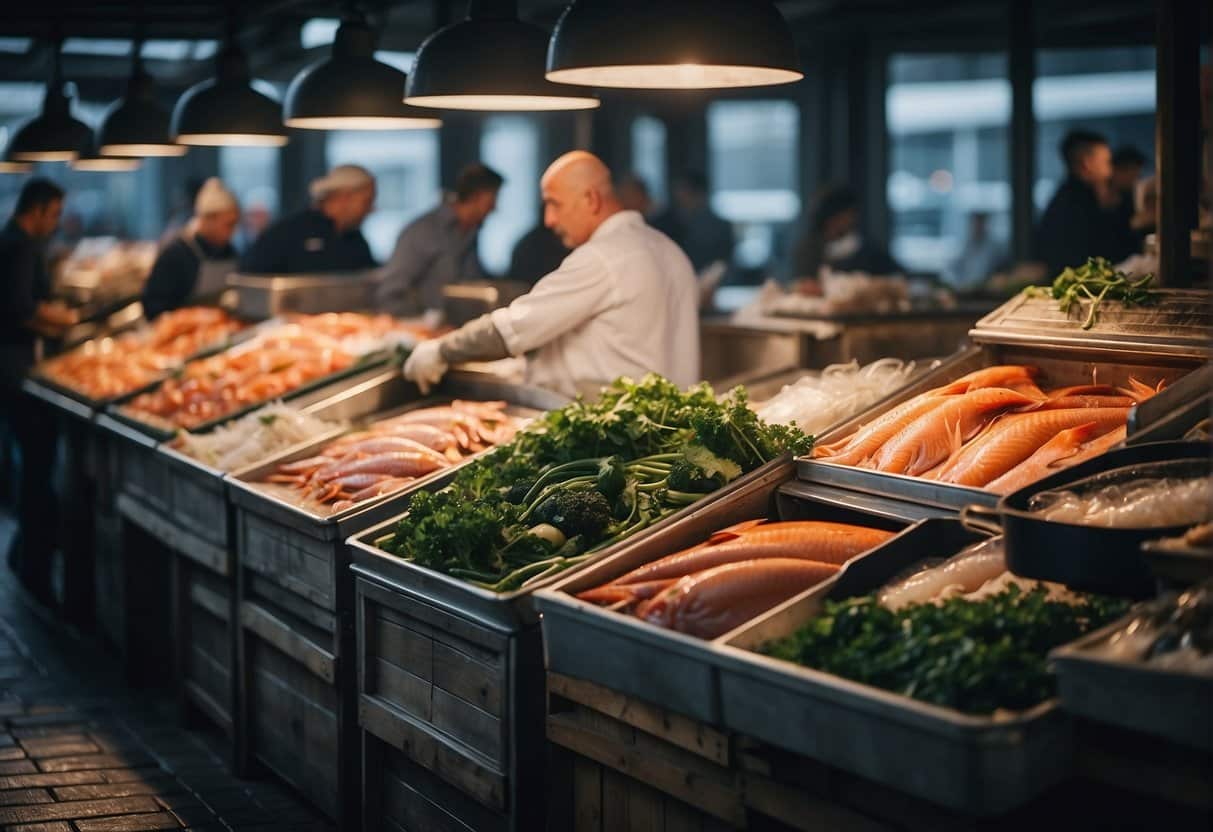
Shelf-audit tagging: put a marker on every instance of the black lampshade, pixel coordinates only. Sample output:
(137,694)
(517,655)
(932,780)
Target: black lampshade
(490,61)
(672,44)
(52,135)
(136,124)
(15,167)
(91,160)
(226,110)
(351,90)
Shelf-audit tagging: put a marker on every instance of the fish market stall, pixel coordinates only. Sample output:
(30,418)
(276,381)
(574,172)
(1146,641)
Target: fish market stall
(295,594)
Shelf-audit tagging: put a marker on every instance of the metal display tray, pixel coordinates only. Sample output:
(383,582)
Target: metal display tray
(1060,368)
(382,396)
(1172,704)
(263,296)
(975,764)
(507,611)
(671,669)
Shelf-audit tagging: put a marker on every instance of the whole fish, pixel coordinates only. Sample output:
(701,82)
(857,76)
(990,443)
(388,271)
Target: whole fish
(868,439)
(1016,436)
(632,593)
(1051,457)
(931,438)
(395,464)
(814,540)
(710,603)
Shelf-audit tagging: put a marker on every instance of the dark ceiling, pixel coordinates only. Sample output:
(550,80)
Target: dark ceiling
(269,29)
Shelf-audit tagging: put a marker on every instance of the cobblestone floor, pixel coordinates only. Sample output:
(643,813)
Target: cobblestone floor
(81,752)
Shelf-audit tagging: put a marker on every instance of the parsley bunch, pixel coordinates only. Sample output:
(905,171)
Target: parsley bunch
(1095,281)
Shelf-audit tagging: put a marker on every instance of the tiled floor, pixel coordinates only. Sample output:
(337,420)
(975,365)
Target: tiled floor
(81,752)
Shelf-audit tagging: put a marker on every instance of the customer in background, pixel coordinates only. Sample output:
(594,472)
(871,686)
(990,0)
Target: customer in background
(634,195)
(689,221)
(537,252)
(1081,220)
(978,258)
(1128,164)
(622,304)
(325,237)
(25,309)
(183,209)
(194,267)
(439,248)
(834,240)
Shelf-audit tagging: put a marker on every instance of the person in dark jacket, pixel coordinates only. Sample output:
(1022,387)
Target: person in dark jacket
(25,308)
(194,266)
(833,239)
(323,238)
(1081,220)
(689,221)
(537,252)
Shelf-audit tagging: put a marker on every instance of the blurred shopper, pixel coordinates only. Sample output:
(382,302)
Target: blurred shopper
(833,240)
(439,248)
(24,310)
(978,258)
(194,267)
(1128,163)
(325,237)
(623,303)
(1080,220)
(537,252)
(690,222)
(634,195)
(183,209)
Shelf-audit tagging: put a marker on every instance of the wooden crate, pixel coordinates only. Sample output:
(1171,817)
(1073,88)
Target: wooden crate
(456,708)
(205,641)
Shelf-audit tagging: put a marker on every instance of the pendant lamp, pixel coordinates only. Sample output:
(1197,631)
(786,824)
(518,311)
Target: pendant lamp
(226,110)
(136,124)
(672,44)
(490,61)
(351,90)
(52,135)
(15,167)
(96,162)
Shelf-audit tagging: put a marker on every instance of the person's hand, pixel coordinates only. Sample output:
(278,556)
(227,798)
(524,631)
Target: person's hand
(425,367)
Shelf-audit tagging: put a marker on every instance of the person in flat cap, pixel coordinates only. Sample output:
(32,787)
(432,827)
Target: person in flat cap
(326,237)
(193,267)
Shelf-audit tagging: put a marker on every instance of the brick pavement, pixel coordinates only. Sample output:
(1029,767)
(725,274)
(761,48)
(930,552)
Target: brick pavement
(80,752)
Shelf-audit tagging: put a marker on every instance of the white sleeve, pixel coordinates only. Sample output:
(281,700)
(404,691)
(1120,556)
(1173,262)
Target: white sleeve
(561,301)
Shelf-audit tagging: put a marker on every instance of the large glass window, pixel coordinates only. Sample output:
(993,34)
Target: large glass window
(405,165)
(649,156)
(755,175)
(948,118)
(251,173)
(1109,91)
(510,146)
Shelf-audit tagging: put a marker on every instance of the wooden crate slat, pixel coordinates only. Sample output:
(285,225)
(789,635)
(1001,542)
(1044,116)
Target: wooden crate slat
(261,587)
(272,629)
(295,562)
(401,646)
(473,727)
(467,678)
(404,690)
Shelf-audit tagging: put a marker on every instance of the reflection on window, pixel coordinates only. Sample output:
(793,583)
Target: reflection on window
(648,156)
(251,173)
(948,189)
(510,146)
(405,165)
(754,175)
(1109,91)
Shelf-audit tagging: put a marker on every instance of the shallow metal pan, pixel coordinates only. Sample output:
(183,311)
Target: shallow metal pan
(976,764)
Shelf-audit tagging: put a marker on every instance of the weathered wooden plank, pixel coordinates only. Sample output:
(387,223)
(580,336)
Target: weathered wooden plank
(676,729)
(216,603)
(434,752)
(587,795)
(153,521)
(801,810)
(615,800)
(422,787)
(259,586)
(402,689)
(473,727)
(300,564)
(205,700)
(408,611)
(470,680)
(403,647)
(200,510)
(273,630)
(646,810)
(680,817)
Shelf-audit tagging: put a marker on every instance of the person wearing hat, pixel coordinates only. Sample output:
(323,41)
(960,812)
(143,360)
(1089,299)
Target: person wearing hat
(623,303)
(193,268)
(324,237)
(439,247)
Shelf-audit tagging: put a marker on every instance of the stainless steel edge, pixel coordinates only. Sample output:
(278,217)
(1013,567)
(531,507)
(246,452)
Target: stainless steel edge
(50,394)
(107,423)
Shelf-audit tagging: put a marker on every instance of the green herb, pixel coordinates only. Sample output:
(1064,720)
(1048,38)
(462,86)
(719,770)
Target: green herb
(1095,281)
(974,656)
(599,472)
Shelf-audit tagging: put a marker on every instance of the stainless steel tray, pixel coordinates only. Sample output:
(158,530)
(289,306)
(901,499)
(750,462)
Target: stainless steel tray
(1061,368)
(1172,704)
(380,397)
(668,668)
(58,398)
(507,611)
(263,296)
(979,765)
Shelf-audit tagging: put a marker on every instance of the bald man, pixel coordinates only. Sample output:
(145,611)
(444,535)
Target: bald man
(623,303)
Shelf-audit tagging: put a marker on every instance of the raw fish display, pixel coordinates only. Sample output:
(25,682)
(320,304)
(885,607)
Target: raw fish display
(108,368)
(1142,503)
(735,574)
(994,428)
(815,402)
(253,437)
(1173,632)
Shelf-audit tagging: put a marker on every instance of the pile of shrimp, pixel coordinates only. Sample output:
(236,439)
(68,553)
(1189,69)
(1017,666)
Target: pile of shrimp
(390,454)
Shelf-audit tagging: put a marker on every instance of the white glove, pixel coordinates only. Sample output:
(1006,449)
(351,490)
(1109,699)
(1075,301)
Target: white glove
(425,366)
(433,318)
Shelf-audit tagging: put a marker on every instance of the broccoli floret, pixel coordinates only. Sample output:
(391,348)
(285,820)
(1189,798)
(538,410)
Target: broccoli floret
(517,492)
(686,476)
(612,477)
(580,511)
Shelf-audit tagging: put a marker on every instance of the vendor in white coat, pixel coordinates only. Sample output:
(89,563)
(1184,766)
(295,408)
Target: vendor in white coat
(623,303)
